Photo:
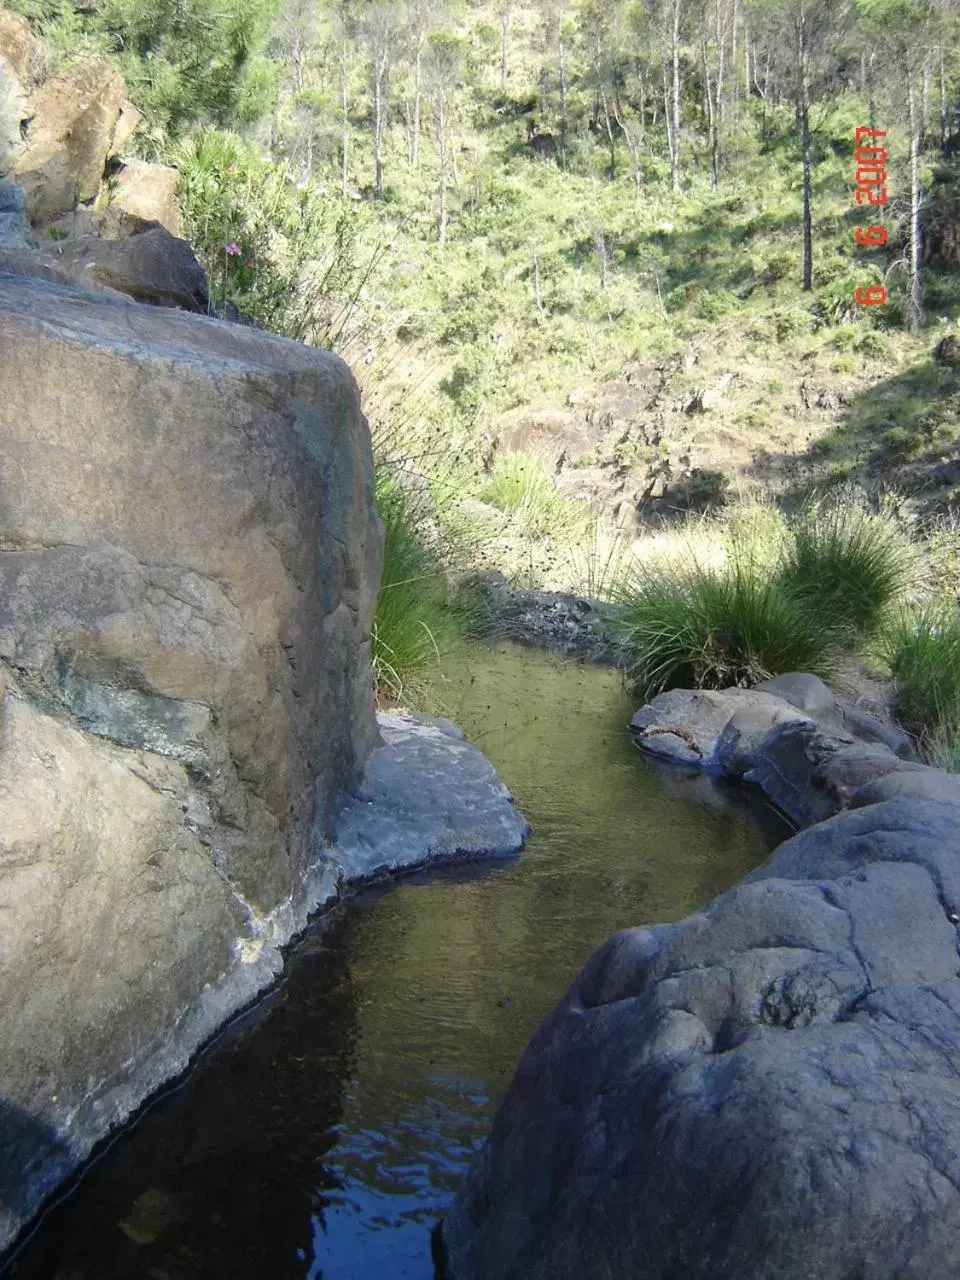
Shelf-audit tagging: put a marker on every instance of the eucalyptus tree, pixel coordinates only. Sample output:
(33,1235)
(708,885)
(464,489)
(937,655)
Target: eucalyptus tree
(804,41)
(716,21)
(601,30)
(443,58)
(380,29)
(343,27)
(909,34)
(422,17)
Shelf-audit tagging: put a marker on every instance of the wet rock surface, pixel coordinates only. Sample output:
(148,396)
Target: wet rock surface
(427,796)
(811,752)
(768,1089)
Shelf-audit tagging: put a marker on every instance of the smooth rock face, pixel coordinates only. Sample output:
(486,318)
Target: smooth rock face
(189,556)
(769,1090)
(427,796)
(812,754)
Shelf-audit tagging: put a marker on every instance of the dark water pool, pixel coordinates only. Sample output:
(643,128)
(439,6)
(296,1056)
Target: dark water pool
(323,1133)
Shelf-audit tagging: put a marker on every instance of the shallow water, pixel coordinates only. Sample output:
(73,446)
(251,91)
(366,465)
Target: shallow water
(324,1132)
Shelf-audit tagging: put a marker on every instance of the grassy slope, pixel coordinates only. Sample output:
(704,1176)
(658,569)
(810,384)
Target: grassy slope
(811,387)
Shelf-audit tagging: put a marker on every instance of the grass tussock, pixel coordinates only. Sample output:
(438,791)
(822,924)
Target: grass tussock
(787,596)
(846,564)
(922,648)
(419,616)
(697,627)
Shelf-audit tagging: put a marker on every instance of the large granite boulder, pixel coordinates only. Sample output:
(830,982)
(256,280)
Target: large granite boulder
(68,136)
(142,195)
(189,556)
(770,1089)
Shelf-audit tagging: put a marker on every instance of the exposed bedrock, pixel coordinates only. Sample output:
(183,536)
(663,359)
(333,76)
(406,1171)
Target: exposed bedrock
(768,1091)
(812,753)
(189,558)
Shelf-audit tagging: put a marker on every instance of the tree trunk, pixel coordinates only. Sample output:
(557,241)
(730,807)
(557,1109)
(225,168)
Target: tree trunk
(667,119)
(345,125)
(803,104)
(675,49)
(381,69)
(711,118)
(377,132)
(733,57)
(442,143)
(504,28)
(746,60)
(721,42)
(417,80)
(536,284)
(943,100)
(563,81)
(915,299)
(296,57)
(610,134)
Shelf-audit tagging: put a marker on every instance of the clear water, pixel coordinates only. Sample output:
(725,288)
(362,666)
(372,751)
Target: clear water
(325,1131)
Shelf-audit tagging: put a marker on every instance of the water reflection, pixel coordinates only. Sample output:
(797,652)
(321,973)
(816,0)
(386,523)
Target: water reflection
(323,1134)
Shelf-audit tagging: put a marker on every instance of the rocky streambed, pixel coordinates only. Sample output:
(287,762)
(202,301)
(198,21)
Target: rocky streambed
(771,1087)
(328,1128)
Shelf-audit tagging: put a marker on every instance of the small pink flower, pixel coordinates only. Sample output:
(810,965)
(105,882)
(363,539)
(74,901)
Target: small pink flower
(232,251)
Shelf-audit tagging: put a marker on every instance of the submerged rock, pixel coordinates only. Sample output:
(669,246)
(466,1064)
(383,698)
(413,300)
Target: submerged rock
(769,1089)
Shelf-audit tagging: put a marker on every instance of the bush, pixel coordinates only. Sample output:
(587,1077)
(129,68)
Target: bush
(788,598)
(283,256)
(845,564)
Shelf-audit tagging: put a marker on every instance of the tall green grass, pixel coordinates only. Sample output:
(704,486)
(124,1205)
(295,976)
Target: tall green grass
(692,626)
(419,616)
(922,647)
(787,598)
(846,564)
(520,486)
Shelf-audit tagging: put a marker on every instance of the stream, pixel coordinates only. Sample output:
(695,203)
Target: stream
(325,1130)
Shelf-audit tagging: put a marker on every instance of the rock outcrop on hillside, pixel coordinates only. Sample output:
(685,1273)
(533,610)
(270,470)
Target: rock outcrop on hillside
(771,1088)
(189,556)
(61,137)
(67,138)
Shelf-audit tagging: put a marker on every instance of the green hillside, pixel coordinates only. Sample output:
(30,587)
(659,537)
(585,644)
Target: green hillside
(562,246)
